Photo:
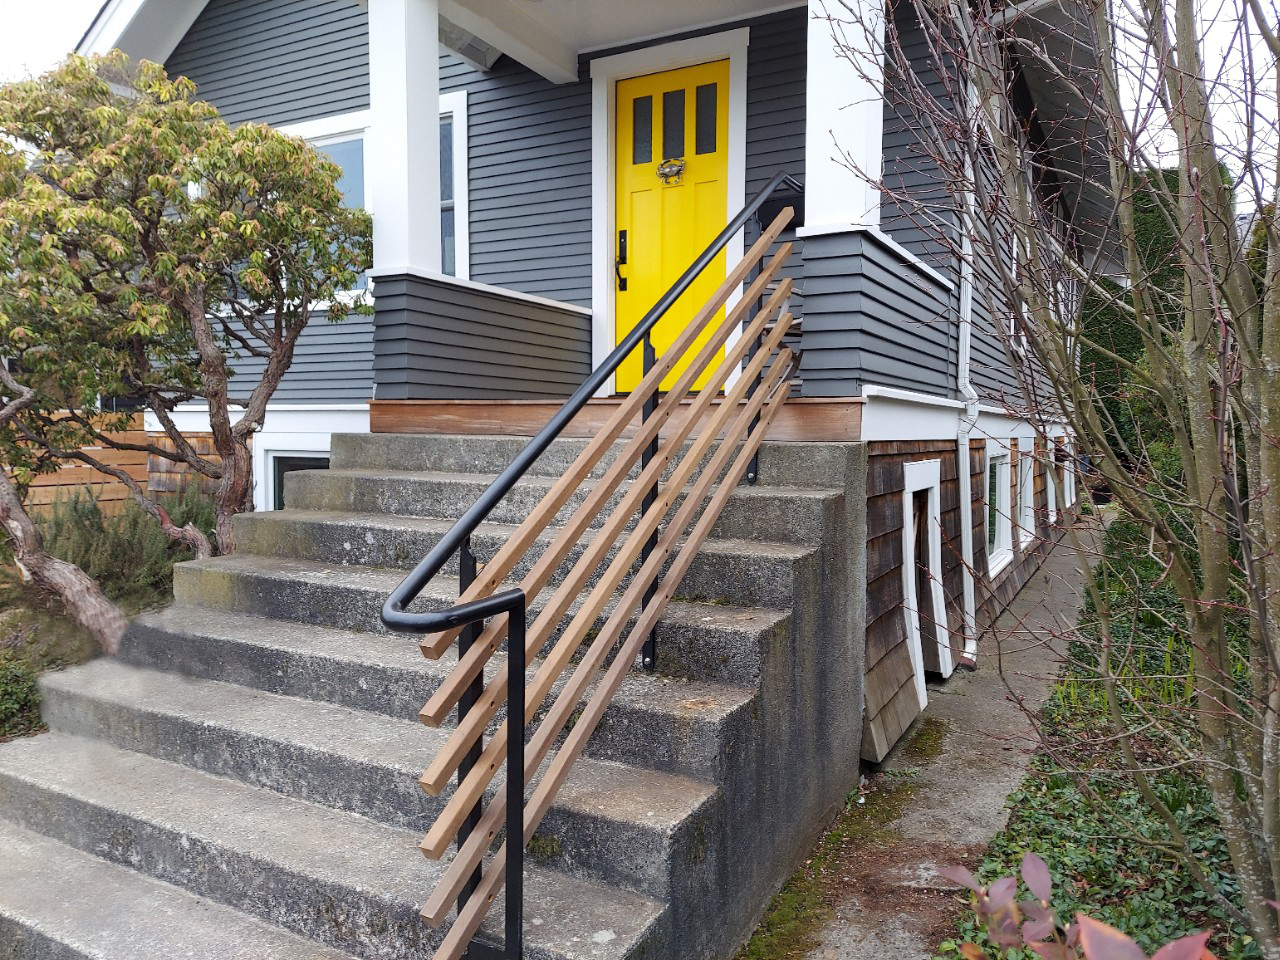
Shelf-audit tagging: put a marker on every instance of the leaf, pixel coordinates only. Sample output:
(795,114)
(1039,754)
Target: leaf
(1103,942)
(961,876)
(1002,892)
(1053,951)
(1036,876)
(1185,948)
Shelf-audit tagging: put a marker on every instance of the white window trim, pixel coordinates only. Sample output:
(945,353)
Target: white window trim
(916,476)
(605,74)
(999,547)
(1026,496)
(454,105)
(343,126)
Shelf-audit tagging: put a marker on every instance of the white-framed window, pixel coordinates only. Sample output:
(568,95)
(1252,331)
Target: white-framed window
(455,245)
(999,534)
(1026,496)
(342,138)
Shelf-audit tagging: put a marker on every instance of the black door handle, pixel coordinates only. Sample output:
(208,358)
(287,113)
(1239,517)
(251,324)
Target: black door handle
(620,260)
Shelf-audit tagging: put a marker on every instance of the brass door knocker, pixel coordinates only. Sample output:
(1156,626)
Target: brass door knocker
(670,171)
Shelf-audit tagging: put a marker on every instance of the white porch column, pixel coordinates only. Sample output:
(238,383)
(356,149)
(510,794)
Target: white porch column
(845,115)
(404,147)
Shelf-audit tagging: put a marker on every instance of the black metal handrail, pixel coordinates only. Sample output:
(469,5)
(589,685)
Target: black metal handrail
(513,601)
(394,612)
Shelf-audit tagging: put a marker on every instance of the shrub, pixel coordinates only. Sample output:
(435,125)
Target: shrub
(128,553)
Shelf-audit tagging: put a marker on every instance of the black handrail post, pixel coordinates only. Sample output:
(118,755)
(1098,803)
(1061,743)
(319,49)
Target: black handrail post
(515,781)
(470,634)
(650,656)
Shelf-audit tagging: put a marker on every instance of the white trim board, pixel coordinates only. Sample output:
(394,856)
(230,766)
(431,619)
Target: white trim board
(605,73)
(287,429)
(920,475)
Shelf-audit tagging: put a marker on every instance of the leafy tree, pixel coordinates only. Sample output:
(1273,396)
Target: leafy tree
(146,242)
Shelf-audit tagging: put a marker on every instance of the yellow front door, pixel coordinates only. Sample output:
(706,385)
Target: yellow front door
(672,197)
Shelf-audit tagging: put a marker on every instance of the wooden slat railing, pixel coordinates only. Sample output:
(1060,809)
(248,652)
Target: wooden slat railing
(702,456)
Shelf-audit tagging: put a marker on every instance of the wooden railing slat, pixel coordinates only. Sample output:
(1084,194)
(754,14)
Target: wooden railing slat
(437,775)
(502,562)
(469,856)
(469,919)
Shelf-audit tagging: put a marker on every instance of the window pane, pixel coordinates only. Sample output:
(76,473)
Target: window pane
(642,130)
(705,119)
(446,158)
(993,504)
(349,155)
(448,254)
(672,124)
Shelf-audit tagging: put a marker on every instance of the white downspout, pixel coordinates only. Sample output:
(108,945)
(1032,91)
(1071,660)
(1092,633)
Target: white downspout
(964,385)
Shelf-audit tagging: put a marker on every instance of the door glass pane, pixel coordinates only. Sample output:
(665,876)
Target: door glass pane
(672,124)
(642,130)
(448,256)
(446,158)
(704,122)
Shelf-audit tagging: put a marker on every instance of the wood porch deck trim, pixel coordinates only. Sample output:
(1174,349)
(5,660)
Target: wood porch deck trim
(801,419)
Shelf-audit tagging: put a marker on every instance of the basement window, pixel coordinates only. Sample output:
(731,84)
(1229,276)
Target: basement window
(999,534)
(285,464)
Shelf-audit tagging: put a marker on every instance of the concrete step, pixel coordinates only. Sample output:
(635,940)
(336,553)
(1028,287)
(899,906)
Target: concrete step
(770,514)
(345,881)
(781,463)
(724,571)
(388,675)
(57,903)
(351,597)
(610,821)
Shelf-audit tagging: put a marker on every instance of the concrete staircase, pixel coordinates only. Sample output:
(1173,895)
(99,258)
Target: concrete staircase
(242,780)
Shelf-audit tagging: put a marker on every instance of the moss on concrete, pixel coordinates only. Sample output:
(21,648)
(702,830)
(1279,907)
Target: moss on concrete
(543,847)
(926,743)
(790,925)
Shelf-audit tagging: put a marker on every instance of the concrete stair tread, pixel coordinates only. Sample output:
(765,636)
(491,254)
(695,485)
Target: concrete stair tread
(92,908)
(443,591)
(360,647)
(546,482)
(385,522)
(654,800)
(330,849)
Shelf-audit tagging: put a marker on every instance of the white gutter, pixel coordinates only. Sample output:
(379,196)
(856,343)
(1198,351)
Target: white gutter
(970,416)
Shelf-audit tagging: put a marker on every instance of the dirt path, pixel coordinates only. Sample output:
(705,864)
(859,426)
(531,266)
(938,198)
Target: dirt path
(945,786)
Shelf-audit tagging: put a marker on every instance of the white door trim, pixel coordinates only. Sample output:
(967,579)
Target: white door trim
(605,73)
(923,475)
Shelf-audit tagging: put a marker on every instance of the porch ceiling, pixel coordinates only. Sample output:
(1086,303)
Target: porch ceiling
(548,35)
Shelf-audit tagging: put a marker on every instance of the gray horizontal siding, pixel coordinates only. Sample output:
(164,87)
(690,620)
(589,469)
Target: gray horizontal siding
(529,178)
(872,318)
(776,115)
(278,63)
(332,363)
(438,340)
(916,208)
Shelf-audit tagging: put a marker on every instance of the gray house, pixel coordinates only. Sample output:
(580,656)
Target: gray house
(538,174)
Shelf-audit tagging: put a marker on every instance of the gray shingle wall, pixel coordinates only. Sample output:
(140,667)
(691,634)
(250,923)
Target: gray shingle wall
(437,340)
(872,318)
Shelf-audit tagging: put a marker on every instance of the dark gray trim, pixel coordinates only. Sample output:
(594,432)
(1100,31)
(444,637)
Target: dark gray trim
(434,339)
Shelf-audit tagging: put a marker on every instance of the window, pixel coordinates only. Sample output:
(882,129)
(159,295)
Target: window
(1026,496)
(342,139)
(280,465)
(455,249)
(999,538)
